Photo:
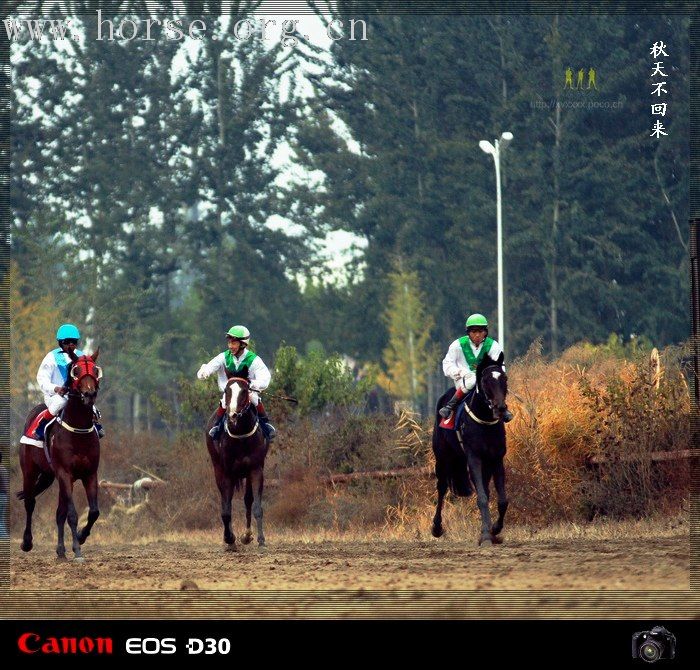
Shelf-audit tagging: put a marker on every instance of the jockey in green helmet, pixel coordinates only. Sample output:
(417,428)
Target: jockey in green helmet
(239,361)
(463,357)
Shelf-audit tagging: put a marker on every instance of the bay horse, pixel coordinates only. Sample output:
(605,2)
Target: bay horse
(474,450)
(74,454)
(237,455)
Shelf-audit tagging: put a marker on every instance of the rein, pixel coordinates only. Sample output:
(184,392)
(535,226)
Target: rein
(478,390)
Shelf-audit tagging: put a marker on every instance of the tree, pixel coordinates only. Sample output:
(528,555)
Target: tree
(409,356)
(34,322)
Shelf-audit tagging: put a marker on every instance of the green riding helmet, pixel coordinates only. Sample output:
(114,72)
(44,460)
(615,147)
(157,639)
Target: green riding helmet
(477,320)
(240,333)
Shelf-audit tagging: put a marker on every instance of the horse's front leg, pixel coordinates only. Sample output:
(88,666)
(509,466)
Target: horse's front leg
(477,469)
(437,529)
(256,479)
(27,539)
(248,500)
(499,480)
(72,517)
(91,492)
(62,511)
(226,490)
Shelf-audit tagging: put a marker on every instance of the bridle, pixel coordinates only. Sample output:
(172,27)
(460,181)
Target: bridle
(83,367)
(480,389)
(233,417)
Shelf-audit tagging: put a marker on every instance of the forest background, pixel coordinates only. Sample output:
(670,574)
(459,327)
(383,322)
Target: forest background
(163,191)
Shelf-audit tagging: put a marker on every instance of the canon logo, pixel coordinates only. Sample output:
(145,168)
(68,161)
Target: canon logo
(32,643)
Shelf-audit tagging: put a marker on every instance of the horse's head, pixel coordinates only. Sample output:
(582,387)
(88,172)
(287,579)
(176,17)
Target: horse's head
(493,383)
(85,377)
(237,398)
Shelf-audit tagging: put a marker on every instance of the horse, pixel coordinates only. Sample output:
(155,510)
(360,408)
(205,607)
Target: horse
(239,454)
(475,449)
(73,449)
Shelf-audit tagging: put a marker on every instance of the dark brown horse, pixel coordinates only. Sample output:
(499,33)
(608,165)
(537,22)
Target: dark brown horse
(74,453)
(239,454)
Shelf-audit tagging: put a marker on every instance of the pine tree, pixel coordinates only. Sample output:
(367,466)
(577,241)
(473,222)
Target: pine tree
(410,355)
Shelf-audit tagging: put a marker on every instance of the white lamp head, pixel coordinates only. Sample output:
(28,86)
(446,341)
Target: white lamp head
(487,147)
(505,140)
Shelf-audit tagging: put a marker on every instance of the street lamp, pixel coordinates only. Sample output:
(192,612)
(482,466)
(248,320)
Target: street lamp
(495,150)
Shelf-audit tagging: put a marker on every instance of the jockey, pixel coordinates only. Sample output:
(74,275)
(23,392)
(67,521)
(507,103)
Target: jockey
(239,361)
(52,378)
(464,356)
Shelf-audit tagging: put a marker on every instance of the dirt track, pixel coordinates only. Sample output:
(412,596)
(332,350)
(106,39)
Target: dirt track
(199,561)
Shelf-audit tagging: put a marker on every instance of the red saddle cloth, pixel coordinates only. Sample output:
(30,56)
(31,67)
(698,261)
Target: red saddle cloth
(448,423)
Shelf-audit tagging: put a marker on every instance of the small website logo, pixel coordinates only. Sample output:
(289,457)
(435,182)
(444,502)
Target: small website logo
(580,76)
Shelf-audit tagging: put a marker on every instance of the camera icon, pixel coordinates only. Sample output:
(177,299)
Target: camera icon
(653,645)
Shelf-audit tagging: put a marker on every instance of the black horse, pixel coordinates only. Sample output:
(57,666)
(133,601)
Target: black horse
(476,449)
(237,455)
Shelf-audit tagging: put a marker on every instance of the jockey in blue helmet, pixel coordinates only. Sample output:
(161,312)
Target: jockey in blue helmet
(52,379)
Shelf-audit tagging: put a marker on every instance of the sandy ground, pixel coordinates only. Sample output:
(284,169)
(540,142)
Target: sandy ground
(199,561)
(637,570)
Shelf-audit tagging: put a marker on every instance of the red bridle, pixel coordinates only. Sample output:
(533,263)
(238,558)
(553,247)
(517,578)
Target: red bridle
(85,367)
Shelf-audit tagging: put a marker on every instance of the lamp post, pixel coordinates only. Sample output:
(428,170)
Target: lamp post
(495,150)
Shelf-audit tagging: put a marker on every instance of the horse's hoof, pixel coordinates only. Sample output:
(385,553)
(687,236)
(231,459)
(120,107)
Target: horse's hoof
(82,538)
(247,538)
(231,547)
(79,559)
(437,531)
(26,546)
(496,539)
(61,557)
(261,544)
(486,541)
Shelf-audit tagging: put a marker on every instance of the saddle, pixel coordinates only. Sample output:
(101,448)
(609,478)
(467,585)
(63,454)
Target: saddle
(456,417)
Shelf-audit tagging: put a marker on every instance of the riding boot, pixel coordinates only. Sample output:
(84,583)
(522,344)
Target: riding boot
(216,428)
(269,430)
(451,406)
(96,421)
(37,427)
(507,416)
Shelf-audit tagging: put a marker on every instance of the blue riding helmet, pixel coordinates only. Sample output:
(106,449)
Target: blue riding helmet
(67,332)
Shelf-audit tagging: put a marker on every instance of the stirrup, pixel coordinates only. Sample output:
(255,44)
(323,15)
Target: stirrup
(214,431)
(100,430)
(269,430)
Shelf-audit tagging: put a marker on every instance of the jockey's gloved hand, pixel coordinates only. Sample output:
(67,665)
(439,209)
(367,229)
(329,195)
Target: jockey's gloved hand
(254,387)
(200,373)
(468,382)
(63,390)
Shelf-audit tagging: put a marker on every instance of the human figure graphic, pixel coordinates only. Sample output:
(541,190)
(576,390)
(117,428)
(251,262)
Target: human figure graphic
(569,78)
(591,79)
(579,79)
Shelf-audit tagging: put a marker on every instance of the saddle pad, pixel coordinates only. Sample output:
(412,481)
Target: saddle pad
(454,420)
